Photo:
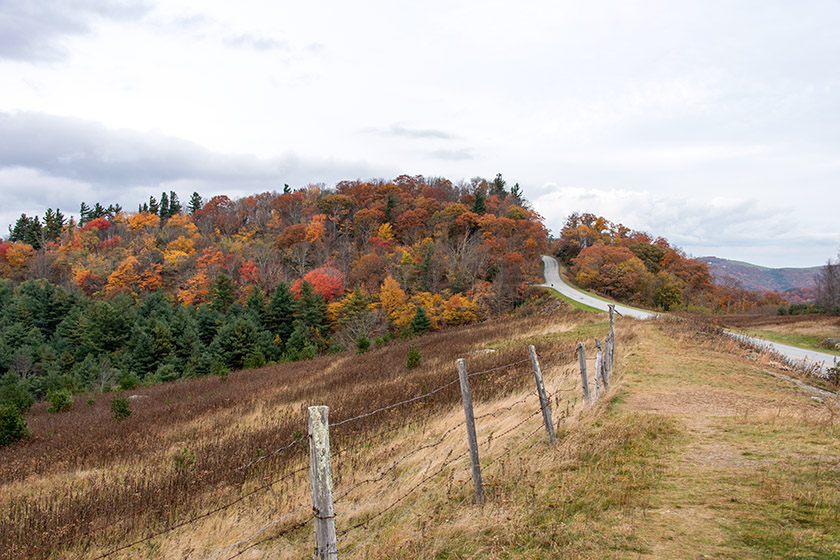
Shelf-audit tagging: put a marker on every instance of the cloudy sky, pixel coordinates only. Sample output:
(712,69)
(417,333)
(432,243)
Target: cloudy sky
(715,124)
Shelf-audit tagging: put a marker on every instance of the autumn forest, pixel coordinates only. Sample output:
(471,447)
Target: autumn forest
(118,298)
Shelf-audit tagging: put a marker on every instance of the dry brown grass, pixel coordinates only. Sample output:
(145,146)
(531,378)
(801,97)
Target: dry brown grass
(85,482)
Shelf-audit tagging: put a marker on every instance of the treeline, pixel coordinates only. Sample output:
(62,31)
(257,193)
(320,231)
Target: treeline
(119,298)
(632,266)
(828,287)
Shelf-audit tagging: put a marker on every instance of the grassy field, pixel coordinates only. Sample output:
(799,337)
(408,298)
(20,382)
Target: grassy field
(701,449)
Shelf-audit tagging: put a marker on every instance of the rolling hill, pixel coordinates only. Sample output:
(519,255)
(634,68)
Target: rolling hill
(796,284)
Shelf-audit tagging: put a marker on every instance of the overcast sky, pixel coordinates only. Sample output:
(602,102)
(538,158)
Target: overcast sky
(715,124)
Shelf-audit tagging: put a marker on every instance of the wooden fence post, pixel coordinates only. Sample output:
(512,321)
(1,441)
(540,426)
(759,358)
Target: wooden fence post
(320,483)
(599,369)
(544,404)
(583,376)
(607,369)
(466,399)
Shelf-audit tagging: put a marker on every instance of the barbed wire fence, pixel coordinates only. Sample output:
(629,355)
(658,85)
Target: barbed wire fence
(404,482)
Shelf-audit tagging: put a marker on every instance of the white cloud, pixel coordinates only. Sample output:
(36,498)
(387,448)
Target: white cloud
(677,102)
(730,227)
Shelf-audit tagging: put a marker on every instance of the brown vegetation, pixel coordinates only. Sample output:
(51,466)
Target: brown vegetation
(85,479)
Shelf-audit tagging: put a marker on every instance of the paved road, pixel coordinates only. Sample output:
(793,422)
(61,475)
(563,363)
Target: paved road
(553,280)
(811,358)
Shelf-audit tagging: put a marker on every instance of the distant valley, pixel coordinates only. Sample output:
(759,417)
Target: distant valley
(796,284)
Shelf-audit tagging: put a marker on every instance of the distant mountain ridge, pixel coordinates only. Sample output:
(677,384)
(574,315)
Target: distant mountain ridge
(796,284)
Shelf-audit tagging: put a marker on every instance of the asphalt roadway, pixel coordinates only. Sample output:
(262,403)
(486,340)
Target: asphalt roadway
(811,358)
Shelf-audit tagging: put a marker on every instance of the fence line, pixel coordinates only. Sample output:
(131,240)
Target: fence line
(555,393)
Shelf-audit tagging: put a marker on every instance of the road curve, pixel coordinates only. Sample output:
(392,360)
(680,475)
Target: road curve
(809,358)
(553,280)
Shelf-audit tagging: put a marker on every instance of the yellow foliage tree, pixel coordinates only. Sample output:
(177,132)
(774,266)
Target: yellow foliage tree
(315,230)
(124,278)
(460,310)
(385,232)
(18,254)
(391,295)
(143,220)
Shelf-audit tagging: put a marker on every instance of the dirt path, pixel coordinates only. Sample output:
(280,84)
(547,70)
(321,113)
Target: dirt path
(754,447)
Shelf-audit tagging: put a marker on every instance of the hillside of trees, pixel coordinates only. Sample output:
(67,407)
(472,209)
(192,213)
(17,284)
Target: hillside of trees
(171,290)
(633,267)
(796,285)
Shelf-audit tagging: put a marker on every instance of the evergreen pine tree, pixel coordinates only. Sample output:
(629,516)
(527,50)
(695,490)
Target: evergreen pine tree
(53,224)
(479,206)
(497,187)
(223,293)
(174,204)
(164,206)
(98,211)
(195,203)
(255,305)
(421,322)
(154,208)
(280,314)
(84,214)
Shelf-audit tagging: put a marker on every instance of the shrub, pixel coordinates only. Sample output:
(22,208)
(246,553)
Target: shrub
(219,368)
(15,393)
(12,425)
(121,407)
(128,381)
(413,359)
(255,360)
(166,373)
(362,344)
(60,400)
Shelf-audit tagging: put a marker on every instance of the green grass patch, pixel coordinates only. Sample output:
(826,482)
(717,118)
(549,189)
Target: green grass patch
(576,304)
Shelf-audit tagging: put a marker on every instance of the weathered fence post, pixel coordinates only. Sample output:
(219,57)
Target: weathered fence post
(466,399)
(583,376)
(320,483)
(607,369)
(599,369)
(544,404)
(610,348)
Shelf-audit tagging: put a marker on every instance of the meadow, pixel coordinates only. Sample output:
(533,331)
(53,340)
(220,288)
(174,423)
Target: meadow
(702,448)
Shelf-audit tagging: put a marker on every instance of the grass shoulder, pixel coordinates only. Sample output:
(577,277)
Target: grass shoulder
(805,341)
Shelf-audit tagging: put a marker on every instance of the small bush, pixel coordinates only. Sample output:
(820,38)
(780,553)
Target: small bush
(255,360)
(128,381)
(121,407)
(413,359)
(60,400)
(220,369)
(167,373)
(15,393)
(362,344)
(12,425)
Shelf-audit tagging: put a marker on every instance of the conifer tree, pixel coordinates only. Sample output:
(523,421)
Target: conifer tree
(174,204)
(195,203)
(84,214)
(421,322)
(164,206)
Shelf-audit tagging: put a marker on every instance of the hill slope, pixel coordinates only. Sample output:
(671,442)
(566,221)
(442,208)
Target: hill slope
(798,283)
(699,445)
